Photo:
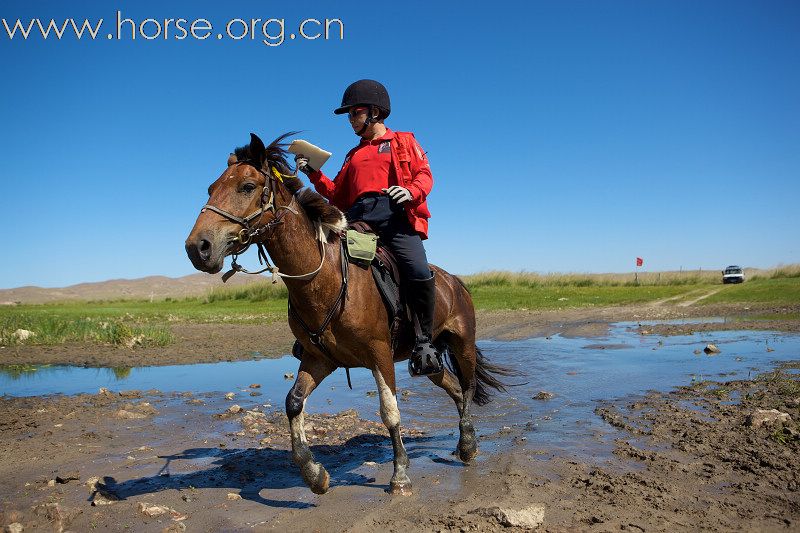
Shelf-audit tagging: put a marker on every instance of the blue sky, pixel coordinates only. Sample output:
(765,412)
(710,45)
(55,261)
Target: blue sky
(563,136)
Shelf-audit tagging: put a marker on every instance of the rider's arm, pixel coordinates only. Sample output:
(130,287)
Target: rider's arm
(323,183)
(421,177)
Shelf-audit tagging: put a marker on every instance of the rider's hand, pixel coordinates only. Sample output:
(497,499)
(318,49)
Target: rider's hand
(302,164)
(398,194)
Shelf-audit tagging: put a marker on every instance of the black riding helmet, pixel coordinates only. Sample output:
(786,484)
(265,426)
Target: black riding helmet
(365,92)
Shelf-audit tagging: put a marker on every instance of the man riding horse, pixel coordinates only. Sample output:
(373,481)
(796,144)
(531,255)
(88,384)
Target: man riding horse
(384,181)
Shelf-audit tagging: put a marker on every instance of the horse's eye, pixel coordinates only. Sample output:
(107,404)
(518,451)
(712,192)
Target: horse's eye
(248,187)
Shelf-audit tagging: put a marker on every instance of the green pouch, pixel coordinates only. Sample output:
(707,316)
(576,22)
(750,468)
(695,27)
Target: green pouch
(361,246)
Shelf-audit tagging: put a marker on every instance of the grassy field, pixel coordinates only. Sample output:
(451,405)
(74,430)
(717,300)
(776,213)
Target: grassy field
(138,321)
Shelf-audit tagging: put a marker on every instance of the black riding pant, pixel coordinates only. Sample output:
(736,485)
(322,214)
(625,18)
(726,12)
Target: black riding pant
(388,219)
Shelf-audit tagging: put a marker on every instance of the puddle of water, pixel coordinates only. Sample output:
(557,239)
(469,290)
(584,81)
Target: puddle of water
(578,374)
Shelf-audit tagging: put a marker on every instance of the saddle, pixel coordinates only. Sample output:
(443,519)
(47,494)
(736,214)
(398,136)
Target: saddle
(387,278)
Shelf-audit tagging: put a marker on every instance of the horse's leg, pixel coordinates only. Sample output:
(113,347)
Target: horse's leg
(312,371)
(462,347)
(447,381)
(390,414)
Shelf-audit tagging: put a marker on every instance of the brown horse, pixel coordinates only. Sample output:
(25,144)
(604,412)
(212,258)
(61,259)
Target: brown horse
(256,200)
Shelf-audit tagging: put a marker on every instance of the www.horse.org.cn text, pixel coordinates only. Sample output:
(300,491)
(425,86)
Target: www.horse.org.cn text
(269,31)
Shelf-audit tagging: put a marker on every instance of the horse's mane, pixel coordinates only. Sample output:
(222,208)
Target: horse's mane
(314,204)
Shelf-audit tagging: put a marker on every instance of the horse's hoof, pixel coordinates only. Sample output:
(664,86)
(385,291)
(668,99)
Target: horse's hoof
(401,488)
(467,454)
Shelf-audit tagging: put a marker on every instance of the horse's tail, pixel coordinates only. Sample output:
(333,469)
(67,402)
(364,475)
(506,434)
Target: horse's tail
(487,375)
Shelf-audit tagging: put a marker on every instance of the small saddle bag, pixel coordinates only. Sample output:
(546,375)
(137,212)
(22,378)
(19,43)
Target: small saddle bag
(361,246)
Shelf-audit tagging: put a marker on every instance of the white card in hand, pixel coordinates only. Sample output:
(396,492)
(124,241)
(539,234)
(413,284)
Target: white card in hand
(316,155)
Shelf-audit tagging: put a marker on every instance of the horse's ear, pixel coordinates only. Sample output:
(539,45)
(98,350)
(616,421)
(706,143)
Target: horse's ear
(257,150)
(232,159)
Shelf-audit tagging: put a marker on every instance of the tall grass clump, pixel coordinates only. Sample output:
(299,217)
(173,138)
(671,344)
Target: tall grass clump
(254,292)
(534,280)
(58,330)
(779,272)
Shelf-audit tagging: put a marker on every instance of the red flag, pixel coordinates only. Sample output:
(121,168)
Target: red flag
(639,261)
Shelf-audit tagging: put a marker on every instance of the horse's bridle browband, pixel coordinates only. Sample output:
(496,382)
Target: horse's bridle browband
(248,233)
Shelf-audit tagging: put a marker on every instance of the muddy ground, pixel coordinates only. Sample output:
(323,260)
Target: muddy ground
(683,460)
(205,343)
(150,461)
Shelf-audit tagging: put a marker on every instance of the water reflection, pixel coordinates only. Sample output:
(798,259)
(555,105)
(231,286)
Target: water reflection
(121,372)
(15,372)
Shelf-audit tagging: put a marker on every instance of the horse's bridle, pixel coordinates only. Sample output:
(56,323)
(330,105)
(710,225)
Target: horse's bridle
(249,234)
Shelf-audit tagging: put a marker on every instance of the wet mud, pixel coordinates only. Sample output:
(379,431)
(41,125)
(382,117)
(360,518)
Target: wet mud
(621,431)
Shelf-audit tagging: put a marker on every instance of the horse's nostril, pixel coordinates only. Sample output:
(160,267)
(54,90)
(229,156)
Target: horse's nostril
(204,249)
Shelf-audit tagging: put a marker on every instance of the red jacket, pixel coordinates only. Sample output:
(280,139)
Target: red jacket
(409,169)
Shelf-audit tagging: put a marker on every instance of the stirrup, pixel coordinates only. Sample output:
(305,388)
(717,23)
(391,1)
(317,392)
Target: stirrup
(425,360)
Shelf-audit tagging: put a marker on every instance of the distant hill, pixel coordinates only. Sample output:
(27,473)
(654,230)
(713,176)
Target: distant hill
(155,287)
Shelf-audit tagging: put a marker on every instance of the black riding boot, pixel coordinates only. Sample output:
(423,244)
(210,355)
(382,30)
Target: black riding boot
(425,359)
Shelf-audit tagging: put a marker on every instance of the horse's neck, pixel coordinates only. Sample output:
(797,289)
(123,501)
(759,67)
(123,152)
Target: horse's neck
(295,250)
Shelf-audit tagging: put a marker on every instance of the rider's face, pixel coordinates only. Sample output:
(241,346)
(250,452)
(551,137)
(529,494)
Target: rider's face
(357,117)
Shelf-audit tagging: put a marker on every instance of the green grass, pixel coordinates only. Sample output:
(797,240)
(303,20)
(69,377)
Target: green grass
(55,329)
(117,322)
(527,297)
(778,290)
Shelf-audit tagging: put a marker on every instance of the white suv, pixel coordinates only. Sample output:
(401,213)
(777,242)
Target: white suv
(733,274)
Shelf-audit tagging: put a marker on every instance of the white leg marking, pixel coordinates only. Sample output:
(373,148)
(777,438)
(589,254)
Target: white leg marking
(390,414)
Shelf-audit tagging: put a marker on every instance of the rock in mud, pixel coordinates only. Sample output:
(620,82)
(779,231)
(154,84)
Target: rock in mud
(129,415)
(100,496)
(151,510)
(544,395)
(234,496)
(530,517)
(711,348)
(15,527)
(761,417)
(66,477)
